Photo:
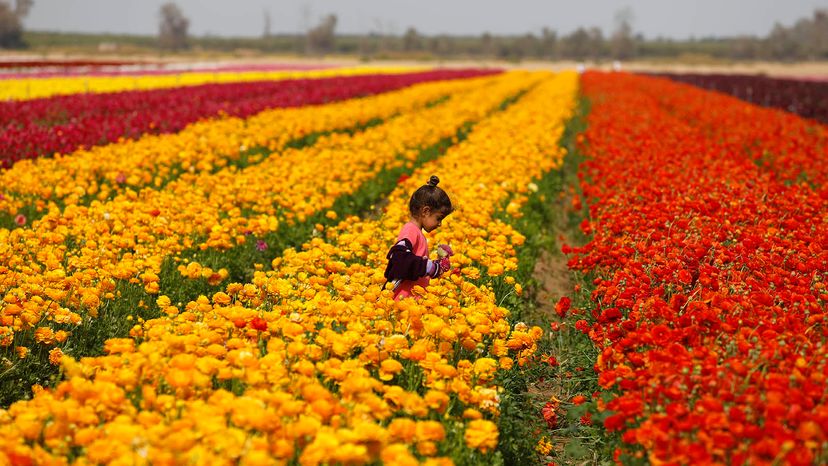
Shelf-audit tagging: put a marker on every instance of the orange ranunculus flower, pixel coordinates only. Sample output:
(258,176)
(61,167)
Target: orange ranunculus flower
(430,431)
(403,429)
(44,335)
(55,356)
(481,434)
(388,368)
(398,455)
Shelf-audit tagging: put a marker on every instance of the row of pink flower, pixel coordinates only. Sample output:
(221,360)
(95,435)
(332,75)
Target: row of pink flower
(709,307)
(63,124)
(145,69)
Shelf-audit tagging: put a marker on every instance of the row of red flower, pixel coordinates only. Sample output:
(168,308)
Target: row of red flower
(63,124)
(710,300)
(793,148)
(808,98)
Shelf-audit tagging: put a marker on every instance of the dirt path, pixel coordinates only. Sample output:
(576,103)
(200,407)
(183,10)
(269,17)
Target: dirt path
(554,280)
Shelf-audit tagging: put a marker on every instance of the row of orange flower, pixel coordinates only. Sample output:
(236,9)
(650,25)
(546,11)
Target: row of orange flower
(710,299)
(312,361)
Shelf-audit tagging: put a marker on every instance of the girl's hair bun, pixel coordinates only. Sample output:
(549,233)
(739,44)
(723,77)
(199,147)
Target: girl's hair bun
(431,196)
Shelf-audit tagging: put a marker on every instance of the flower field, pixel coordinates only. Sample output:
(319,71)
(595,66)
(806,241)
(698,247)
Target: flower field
(63,124)
(204,284)
(709,257)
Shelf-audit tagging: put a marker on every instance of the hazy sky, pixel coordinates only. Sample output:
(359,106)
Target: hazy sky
(668,18)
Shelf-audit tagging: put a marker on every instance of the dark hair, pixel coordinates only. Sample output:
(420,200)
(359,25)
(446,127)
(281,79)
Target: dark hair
(429,195)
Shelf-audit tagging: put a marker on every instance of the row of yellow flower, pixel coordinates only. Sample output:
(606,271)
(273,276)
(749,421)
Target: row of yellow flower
(104,171)
(318,363)
(33,88)
(45,278)
(347,161)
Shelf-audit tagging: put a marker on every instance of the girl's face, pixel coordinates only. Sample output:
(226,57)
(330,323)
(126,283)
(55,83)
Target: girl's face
(431,219)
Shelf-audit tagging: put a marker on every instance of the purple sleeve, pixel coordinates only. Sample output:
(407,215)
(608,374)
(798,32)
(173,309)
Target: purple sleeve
(403,264)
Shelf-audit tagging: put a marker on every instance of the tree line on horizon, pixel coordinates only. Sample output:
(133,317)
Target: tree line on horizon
(806,39)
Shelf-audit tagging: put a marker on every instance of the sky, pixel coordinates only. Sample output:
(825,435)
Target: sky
(678,19)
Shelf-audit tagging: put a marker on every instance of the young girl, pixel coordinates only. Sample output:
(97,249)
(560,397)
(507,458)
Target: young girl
(408,262)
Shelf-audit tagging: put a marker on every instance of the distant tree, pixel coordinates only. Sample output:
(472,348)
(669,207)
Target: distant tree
(441,46)
(266,15)
(504,49)
(549,43)
(596,45)
(367,46)
(781,44)
(745,48)
(622,42)
(381,35)
(528,46)
(487,44)
(412,40)
(576,46)
(11,23)
(820,33)
(320,39)
(22,7)
(807,38)
(11,29)
(172,31)
(812,33)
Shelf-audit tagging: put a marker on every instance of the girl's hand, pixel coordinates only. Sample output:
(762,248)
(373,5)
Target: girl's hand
(445,264)
(436,268)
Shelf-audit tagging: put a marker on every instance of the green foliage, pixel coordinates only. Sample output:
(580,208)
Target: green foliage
(528,388)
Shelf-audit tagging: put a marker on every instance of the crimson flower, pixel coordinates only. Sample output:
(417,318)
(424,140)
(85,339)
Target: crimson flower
(259,324)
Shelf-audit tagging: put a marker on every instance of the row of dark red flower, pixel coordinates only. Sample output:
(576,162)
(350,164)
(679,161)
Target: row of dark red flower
(62,124)
(807,98)
(20,64)
(710,300)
